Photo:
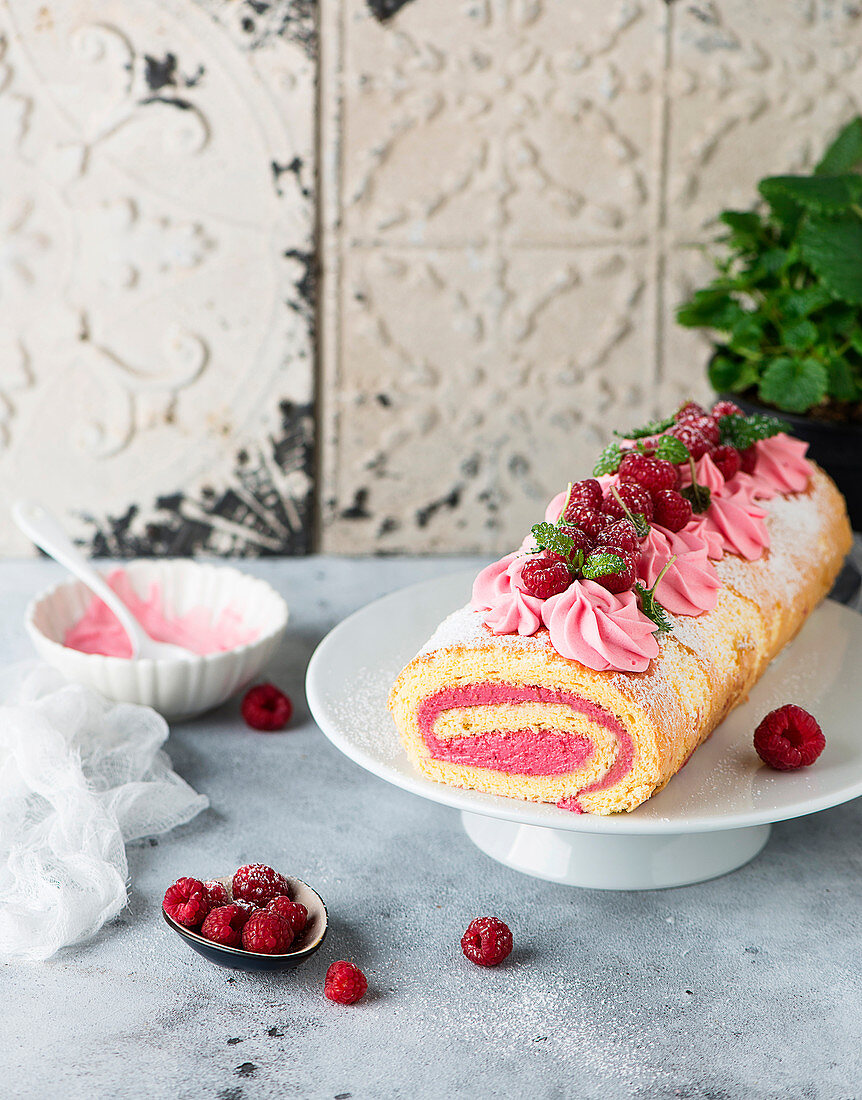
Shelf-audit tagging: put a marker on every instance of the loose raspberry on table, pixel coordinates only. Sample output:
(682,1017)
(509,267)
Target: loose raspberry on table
(698,445)
(614,582)
(487,941)
(748,459)
(216,893)
(623,534)
(224,925)
(186,902)
(257,883)
(726,408)
(654,474)
(265,707)
(543,577)
(345,983)
(588,492)
(690,408)
(728,460)
(267,933)
(294,912)
(672,510)
(789,738)
(634,496)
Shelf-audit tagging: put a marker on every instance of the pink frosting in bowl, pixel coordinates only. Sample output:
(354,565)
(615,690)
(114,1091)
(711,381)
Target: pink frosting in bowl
(199,629)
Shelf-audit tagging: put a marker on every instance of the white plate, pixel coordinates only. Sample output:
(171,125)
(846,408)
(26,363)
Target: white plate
(724,786)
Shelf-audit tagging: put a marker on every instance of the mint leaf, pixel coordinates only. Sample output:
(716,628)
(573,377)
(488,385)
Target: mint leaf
(652,427)
(845,152)
(794,384)
(653,609)
(743,432)
(833,249)
(672,449)
(698,496)
(549,537)
(599,565)
(609,460)
(820,194)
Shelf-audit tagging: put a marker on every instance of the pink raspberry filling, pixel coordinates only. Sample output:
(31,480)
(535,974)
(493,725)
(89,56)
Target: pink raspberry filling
(524,751)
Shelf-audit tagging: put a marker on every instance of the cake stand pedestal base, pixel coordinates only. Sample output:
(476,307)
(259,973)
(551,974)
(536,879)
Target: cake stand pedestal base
(613,861)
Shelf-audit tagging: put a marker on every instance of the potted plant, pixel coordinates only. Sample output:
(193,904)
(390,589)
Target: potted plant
(785,309)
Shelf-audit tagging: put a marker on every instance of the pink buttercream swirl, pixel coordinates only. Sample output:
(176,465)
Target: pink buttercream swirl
(691,584)
(781,465)
(734,516)
(603,631)
(498,591)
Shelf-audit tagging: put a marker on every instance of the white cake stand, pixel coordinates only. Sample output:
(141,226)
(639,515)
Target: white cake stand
(713,817)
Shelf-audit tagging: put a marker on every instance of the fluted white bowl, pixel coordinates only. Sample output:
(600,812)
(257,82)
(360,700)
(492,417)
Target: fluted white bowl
(175,688)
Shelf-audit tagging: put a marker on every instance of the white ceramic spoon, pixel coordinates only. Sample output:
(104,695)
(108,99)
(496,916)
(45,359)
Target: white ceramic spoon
(38,524)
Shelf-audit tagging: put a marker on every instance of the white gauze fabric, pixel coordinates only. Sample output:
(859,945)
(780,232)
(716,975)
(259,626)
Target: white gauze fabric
(79,776)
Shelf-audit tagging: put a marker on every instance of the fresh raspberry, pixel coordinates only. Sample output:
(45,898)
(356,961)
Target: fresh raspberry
(728,460)
(294,912)
(266,707)
(266,933)
(706,425)
(654,474)
(672,510)
(789,738)
(246,908)
(698,445)
(748,459)
(726,408)
(623,534)
(543,577)
(216,893)
(186,902)
(345,983)
(588,492)
(224,925)
(257,883)
(690,408)
(582,516)
(580,539)
(615,582)
(487,941)
(635,497)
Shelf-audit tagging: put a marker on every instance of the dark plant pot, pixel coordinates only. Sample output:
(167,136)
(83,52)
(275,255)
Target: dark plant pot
(835,447)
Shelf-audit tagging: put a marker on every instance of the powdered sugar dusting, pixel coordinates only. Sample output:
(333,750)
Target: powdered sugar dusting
(466,627)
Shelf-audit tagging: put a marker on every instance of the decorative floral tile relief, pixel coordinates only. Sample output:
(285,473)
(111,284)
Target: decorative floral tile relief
(515,198)
(157,272)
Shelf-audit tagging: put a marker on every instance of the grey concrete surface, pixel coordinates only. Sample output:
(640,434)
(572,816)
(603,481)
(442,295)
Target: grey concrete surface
(749,986)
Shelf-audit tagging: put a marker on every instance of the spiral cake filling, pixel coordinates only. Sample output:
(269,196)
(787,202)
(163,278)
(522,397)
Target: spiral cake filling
(454,725)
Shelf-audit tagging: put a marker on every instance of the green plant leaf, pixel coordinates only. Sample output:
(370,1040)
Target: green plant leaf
(730,374)
(710,308)
(799,335)
(768,265)
(609,460)
(833,249)
(843,386)
(801,303)
(794,384)
(652,427)
(747,334)
(845,152)
(820,194)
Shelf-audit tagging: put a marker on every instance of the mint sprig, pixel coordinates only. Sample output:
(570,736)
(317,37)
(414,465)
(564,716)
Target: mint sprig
(696,494)
(609,460)
(743,432)
(599,565)
(672,450)
(652,427)
(637,518)
(651,606)
(548,536)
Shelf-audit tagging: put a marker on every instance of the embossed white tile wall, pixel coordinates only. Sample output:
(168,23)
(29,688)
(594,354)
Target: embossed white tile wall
(513,195)
(156,217)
